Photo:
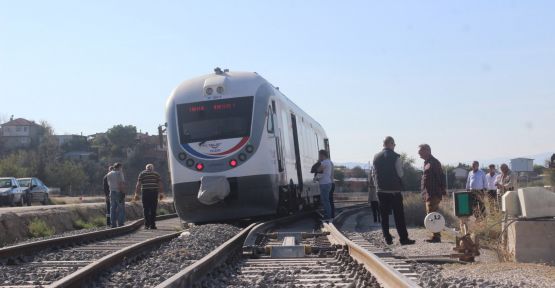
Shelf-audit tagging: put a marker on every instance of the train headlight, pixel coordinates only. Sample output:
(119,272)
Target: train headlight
(233,163)
(182,156)
(209,91)
(249,148)
(220,89)
(242,157)
(200,166)
(190,162)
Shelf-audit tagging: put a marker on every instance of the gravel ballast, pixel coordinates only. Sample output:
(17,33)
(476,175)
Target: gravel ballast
(162,263)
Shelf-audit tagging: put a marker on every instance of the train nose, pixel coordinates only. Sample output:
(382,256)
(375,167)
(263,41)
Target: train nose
(213,189)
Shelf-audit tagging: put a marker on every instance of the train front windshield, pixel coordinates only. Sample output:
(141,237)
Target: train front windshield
(215,120)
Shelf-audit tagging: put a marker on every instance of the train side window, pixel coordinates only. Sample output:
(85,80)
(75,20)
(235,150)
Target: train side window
(279,155)
(270,124)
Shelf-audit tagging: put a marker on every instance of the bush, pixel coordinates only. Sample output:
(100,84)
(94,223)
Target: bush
(415,210)
(163,211)
(38,228)
(97,221)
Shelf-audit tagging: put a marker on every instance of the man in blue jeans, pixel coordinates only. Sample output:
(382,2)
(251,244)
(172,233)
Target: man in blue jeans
(116,182)
(325,181)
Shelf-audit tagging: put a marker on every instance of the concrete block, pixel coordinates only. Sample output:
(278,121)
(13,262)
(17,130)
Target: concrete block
(536,202)
(510,203)
(532,241)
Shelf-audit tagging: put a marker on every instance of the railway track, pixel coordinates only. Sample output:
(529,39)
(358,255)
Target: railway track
(72,260)
(295,251)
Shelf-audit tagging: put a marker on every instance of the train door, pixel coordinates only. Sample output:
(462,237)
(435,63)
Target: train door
(297,153)
(327,147)
(279,152)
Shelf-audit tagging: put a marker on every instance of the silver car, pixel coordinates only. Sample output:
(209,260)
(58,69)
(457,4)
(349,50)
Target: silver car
(11,193)
(38,191)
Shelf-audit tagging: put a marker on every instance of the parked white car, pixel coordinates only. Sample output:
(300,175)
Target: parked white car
(11,193)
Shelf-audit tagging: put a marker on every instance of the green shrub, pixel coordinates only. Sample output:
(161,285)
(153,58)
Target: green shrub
(38,228)
(97,221)
(163,211)
(549,177)
(415,210)
(81,224)
(55,201)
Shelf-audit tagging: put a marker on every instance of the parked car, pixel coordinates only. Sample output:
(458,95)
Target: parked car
(11,193)
(38,191)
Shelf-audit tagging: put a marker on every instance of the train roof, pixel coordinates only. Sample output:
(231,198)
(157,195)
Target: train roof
(191,87)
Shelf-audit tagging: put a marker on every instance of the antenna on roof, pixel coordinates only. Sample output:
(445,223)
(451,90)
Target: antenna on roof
(218,71)
(226,70)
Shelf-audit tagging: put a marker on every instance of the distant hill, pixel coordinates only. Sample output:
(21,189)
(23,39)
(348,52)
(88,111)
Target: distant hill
(539,159)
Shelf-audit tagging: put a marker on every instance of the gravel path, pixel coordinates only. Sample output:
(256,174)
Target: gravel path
(487,271)
(162,263)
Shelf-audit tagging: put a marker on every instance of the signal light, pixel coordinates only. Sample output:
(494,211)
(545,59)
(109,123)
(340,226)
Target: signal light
(200,166)
(233,163)
(242,157)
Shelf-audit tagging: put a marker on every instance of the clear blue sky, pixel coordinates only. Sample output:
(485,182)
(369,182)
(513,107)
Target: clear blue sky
(474,79)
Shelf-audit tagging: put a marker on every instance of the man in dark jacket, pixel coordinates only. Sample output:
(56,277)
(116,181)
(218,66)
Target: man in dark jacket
(388,170)
(432,184)
(107,195)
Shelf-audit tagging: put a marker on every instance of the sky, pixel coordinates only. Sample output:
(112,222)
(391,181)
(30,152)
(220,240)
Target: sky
(474,79)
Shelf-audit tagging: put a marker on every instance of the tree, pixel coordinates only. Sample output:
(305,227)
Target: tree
(18,164)
(358,172)
(76,144)
(538,169)
(67,175)
(121,137)
(411,175)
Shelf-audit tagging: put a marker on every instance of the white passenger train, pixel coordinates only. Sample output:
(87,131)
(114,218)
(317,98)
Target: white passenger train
(236,139)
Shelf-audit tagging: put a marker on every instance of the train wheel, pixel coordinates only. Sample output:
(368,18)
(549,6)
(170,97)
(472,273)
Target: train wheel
(282,211)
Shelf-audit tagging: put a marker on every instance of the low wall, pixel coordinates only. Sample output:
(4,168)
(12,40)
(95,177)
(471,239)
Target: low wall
(14,222)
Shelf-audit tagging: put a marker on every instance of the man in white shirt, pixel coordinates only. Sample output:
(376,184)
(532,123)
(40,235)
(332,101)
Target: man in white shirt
(325,181)
(476,184)
(491,178)
(116,182)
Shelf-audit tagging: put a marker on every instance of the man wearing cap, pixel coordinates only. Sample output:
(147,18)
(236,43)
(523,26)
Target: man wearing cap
(116,182)
(150,184)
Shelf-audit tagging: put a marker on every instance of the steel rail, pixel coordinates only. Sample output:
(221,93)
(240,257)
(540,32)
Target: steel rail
(188,276)
(79,277)
(32,247)
(384,273)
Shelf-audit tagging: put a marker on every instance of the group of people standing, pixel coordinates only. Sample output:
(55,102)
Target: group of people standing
(491,185)
(387,176)
(149,185)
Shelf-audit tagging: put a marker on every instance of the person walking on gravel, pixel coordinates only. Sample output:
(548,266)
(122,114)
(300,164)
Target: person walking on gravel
(150,184)
(432,184)
(107,195)
(116,182)
(325,181)
(388,170)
